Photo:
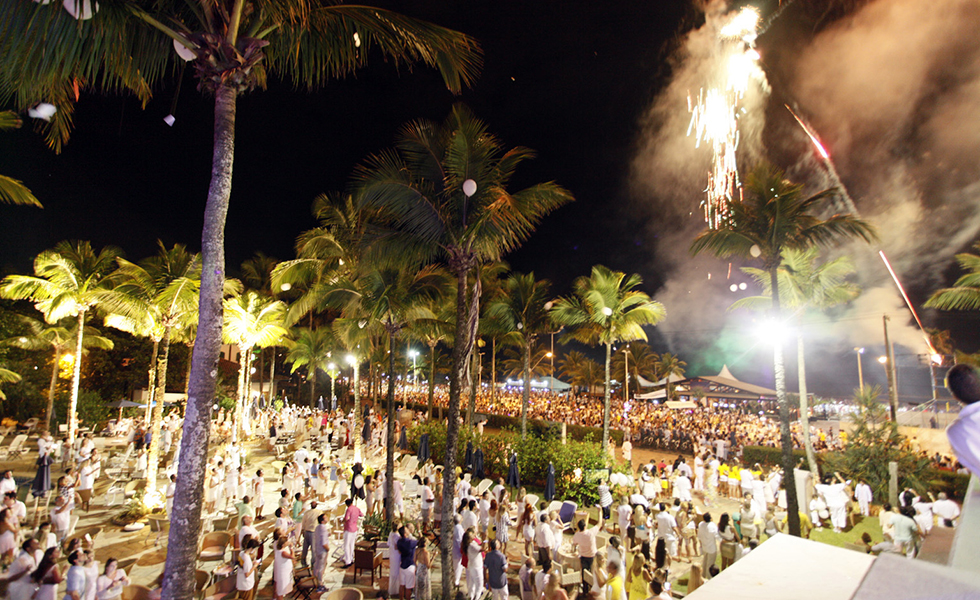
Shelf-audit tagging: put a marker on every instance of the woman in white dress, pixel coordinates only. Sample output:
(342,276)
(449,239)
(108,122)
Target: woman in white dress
(110,584)
(21,586)
(47,575)
(231,485)
(282,569)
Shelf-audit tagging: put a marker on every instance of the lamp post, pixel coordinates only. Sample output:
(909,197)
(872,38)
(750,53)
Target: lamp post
(859,352)
(356,434)
(415,374)
(332,371)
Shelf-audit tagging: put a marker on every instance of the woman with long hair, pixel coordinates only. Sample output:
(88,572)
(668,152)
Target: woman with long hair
(553,589)
(110,584)
(282,569)
(526,526)
(47,576)
(474,567)
(729,539)
(423,561)
(639,577)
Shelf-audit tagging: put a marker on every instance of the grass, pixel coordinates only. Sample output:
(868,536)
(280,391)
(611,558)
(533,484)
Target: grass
(849,536)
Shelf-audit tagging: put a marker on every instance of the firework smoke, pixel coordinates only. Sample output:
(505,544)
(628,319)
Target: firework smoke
(891,91)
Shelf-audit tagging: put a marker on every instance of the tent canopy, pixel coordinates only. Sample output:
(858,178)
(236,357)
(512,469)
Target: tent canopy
(540,383)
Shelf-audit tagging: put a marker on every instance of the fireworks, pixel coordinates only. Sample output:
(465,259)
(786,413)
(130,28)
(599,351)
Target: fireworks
(715,114)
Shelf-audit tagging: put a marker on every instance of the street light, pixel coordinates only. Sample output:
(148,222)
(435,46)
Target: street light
(415,374)
(859,352)
(352,361)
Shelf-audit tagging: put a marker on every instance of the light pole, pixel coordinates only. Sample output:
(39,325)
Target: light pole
(356,433)
(332,371)
(859,352)
(415,374)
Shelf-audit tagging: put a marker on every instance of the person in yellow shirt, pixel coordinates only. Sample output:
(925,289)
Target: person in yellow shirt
(615,588)
(734,482)
(806,525)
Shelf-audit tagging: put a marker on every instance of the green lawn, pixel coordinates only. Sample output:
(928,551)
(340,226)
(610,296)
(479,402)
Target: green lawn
(849,536)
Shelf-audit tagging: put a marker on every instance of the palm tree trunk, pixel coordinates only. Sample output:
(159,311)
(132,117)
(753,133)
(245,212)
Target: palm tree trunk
(185,521)
(390,446)
(151,386)
(605,403)
(75,382)
(237,414)
(786,439)
(312,385)
(261,371)
(461,267)
(474,386)
(356,437)
(811,458)
(153,458)
(526,391)
(190,363)
(246,396)
(272,376)
(49,412)
(493,371)
(432,379)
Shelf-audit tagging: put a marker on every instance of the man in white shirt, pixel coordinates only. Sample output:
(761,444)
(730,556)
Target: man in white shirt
(467,516)
(458,549)
(18,508)
(963,382)
(544,539)
(864,496)
(247,529)
(7,483)
(708,537)
(946,510)
(86,480)
(667,530)
(61,518)
(499,489)
(584,540)
(258,489)
(682,488)
(624,512)
(428,501)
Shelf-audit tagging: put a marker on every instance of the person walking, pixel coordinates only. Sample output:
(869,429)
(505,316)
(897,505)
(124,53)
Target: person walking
(351,519)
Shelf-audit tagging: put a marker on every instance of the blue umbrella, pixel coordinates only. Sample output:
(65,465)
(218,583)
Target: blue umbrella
(42,480)
(549,486)
(513,473)
(478,463)
(366,431)
(262,403)
(468,458)
(403,439)
(424,452)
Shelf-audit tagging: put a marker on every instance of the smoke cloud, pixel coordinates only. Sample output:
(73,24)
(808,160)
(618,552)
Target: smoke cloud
(892,89)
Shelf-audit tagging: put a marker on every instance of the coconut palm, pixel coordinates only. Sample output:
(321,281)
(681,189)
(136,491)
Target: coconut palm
(607,308)
(234,46)
(522,308)
(640,360)
(68,281)
(7,376)
(432,331)
(965,293)
(156,298)
(251,320)
(11,190)
(444,190)
(803,284)
(772,215)
(668,365)
(580,370)
(313,349)
(395,298)
(38,335)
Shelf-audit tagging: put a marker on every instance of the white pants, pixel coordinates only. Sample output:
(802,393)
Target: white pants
(349,538)
(500,594)
(838,516)
(474,583)
(707,561)
(671,542)
(458,563)
(865,509)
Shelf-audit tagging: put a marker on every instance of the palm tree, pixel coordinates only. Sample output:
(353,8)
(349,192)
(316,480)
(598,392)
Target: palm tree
(251,320)
(607,308)
(395,298)
(234,46)
(311,348)
(11,190)
(774,215)
(444,191)
(7,376)
(521,308)
(512,361)
(965,293)
(257,275)
(803,283)
(580,370)
(68,281)
(157,297)
(432,331)
(668,364)
(640,359)
(38,335)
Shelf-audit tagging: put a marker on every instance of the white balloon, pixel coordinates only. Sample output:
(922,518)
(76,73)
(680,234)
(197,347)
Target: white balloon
(42,111)
(469,187)
(183,51)
(170,120)
(755,251)
(81,9)
(357,40)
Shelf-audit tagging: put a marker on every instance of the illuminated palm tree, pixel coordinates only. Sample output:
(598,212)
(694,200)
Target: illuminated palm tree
(604,309)
(774,215)
(444,191)
(522,308)
(965,293)
(234,46)
(640,359)
(668,365)
(803,284)
(68,281)
(7,376)
(580,370)
(313,349)
(38,335)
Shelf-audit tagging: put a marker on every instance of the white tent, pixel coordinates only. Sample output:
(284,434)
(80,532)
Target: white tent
(539,383)
(644,382)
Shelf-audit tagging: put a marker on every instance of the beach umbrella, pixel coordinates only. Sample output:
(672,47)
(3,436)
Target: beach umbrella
(513,473)
(262,403)
(549,486)
(366,431)
(42,479)
(424,451)
(468,457)
(403,439)
(478,463)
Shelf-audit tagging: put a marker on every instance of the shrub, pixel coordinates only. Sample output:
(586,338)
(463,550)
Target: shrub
(771,457)
(954,484)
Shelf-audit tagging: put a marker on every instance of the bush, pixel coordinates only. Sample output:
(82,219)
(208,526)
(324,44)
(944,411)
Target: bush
(954,484)
(772,457)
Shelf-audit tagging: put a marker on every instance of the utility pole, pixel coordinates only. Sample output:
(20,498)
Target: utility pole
(890,368)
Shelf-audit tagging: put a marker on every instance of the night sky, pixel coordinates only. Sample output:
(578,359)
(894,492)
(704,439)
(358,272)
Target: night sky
(570,80)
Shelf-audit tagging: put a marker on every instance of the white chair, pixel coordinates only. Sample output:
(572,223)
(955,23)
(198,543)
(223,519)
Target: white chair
(15,448)
(532,499)
(484,486)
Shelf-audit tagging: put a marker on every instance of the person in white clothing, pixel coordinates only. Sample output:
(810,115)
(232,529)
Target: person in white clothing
(963,382)
(947,510)
(170,493)
(708,537)
(836,500)
(864,496)
(7,483)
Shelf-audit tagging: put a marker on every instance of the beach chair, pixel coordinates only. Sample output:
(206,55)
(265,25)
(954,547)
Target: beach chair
(15,448)
(30,424)
(220,589)
(532,499)
(484,486)
(566,512)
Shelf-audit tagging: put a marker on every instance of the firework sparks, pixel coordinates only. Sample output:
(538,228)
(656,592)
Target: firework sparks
(714,116)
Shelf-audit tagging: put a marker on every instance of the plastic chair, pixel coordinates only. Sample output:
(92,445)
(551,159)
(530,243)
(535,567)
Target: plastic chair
(213,546)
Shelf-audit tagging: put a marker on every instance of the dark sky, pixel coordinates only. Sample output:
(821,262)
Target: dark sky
(568,79)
